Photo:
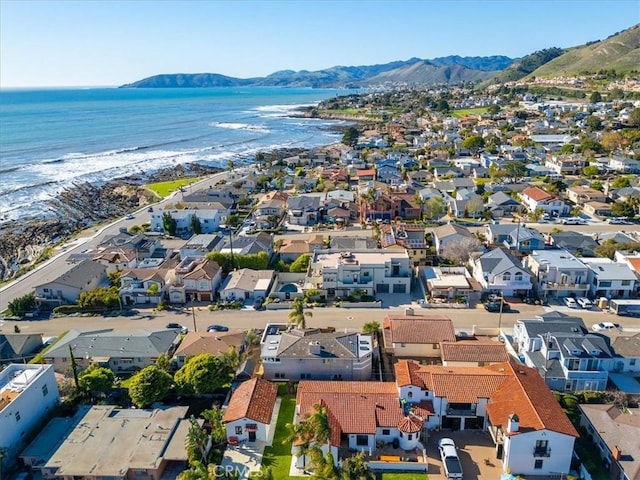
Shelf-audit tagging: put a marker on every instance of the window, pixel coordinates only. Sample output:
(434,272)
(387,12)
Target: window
(386,431)
(365,274)
(605,284)
(238,430)
(506,276)
(279,375)
(17,416)
(410,436)
(632,361)
(538,464)
(410,394)
(518,277)
(362,440)
(45,390)
(626,283)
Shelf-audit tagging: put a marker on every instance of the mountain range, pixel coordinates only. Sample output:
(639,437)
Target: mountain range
(620,52)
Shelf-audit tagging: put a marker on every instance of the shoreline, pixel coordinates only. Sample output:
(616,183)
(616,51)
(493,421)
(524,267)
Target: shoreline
(27,242)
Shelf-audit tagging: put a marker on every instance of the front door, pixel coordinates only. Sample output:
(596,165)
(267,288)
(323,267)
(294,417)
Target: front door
(252,436)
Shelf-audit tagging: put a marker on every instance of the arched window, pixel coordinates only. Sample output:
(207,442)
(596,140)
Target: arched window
(518,277)
(506,276)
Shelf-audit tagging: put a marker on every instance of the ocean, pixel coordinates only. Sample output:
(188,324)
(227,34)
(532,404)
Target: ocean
(51,139)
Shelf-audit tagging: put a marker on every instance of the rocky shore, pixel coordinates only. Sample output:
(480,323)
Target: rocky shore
(23,242)
(74,209)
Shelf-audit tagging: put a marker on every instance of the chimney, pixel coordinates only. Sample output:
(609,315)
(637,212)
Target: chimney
(315,348)
(408,311)
(617,453)
(514,423)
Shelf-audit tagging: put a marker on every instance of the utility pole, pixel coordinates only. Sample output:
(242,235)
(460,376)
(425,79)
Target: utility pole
(500,315)
(193,314)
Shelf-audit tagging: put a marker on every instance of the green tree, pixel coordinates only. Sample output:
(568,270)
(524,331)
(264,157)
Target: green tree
(164,362)
(21,305)
(356,468)
(597,185)
(515,171)
(99,299)
(169,224)
(199,471)
(96,380)
(196,442)
(204,373)
(443,106)
(589,144)
(590,171)
(114,278)
(634,118)
(593,123)
(300,264)
(196,226)
(371,327)
(434,208)
(350,136)
(595,97)
(298,316)
(493,109)
(213,423)
(149,385)
(622,209)
(474,143)
(621,182)
(230,165)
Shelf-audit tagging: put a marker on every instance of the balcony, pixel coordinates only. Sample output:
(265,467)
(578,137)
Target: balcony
(541,452)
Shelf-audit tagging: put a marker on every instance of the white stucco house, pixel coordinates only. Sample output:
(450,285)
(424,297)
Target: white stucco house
(250,410)
(498,270)
(28,393)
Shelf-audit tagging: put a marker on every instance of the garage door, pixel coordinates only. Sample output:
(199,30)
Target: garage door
(382,288)
(400,288)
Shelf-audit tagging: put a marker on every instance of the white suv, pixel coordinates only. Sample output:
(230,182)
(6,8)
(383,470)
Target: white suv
(570,302)
(449,457)
(584,302)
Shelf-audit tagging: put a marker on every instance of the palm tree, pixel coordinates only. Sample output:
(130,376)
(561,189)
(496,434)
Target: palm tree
(199,471)
(356,468)
(298,316)
(196,442)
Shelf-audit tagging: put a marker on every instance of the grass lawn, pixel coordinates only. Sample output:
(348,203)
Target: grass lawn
(402,476)
(163,189)
(468,111)
(278,455)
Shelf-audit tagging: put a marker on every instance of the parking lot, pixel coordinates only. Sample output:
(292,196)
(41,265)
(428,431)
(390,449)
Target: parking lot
(474,447)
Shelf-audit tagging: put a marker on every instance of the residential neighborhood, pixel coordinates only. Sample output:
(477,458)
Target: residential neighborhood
(479,263)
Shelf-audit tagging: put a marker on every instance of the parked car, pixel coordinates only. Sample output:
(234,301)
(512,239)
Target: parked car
(495,307)
(573,221)
(449,457)
(130,217)
(604,326)
(570,302)
(584,302)
(177,326)
(217,328)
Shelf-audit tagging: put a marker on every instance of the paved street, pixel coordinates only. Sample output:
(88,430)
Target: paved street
(463,319)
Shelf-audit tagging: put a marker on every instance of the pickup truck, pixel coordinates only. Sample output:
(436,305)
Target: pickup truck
(450,460)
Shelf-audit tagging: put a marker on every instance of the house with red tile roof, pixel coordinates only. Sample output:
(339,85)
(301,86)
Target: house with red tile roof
(248,415)
(362,415)
(535,198)
(528,424)
(533,435)
(417,337)
(459,395)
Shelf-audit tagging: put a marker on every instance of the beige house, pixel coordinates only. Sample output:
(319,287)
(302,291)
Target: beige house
(215,343)
(581,195)
(417,337)
(246,284)
(599,209)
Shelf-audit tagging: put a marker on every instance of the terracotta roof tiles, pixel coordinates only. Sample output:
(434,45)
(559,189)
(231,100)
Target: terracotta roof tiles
(417,329)
(473,351)
(526,394)
(253,399)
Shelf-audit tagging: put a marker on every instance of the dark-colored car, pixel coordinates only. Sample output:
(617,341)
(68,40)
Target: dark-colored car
(217,328)
(495,307)
(177,326)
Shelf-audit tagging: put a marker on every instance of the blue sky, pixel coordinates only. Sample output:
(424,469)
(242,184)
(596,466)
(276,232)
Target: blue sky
(110,42)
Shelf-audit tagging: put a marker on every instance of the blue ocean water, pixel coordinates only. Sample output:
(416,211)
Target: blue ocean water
(53,138)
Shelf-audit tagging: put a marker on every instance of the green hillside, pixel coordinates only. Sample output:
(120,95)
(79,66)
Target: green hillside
(620,52)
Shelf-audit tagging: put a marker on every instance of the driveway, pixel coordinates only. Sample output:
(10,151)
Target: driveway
(474,447)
